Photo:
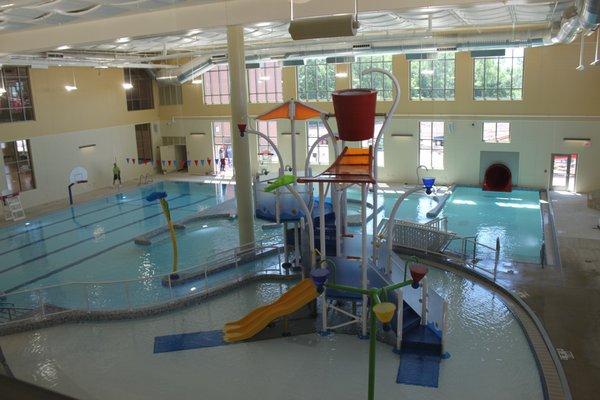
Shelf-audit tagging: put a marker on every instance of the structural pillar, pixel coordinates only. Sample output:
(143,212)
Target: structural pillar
(239,114)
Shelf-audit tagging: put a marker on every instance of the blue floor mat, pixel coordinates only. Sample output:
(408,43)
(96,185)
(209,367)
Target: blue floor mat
(187,341)
(420,370)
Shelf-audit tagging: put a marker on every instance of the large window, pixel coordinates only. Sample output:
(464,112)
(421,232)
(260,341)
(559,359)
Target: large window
(143,140)
(223,152)
(432,79)
(169,94)
(15,95)
(316,80)
(499,78)
(140,96)
(377,81)
(216,85)
(18,167)
(320,154)
(431,144)
(371,142)
(265,150)
(496,132)
(264,83)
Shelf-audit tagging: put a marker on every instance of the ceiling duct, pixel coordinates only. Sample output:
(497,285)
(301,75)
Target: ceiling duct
(328,26)
(586,17)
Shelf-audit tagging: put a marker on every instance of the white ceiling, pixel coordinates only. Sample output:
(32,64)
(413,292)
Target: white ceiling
(372,24)
(27,14)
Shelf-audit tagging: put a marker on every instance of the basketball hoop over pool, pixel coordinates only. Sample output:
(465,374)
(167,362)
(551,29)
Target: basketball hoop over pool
(77,175)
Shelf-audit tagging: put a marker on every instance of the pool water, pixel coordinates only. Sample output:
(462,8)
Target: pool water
(513,217)
(93,241)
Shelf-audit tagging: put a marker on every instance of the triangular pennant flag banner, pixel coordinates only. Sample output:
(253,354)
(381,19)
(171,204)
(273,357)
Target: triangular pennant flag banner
(164,162)
(133,160)
(201,162)
(127,160)
(217,161)
(169,162)
(196,162)
(188,162)
(158,163)
(208,160)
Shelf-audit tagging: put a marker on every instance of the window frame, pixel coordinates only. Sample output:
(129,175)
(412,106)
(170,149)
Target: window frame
(512,89)
(362,63)
(22,94)
(224,86)
(170,94)
(320,94)
(431,150)
(380,152)
(262,144)
(321,130)
(18,162)
(141,96)
(496,141)
(272,69)
(446,89)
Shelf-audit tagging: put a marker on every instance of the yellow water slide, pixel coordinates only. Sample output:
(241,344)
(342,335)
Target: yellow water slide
(259,318)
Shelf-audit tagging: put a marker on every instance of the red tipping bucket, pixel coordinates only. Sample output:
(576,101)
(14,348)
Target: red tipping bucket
(355,113)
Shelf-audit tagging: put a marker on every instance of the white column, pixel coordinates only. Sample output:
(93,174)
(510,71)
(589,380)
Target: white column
(239,114)
(322,221)
(364,255)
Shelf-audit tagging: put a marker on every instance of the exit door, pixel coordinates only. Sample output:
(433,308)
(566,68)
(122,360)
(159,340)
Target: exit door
(564,167)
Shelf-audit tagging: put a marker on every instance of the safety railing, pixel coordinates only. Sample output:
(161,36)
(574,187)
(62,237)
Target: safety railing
(217,272)
(421,236)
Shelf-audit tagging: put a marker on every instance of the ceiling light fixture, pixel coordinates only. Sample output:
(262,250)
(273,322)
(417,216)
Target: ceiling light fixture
(63,47)
(3,88)
(196,81)
(596,60)
(194,32)
(123,40)
(71,87)
(7,5)
(580,67)
(128,85)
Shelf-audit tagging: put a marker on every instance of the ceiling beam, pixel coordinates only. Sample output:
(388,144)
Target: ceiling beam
(198,16)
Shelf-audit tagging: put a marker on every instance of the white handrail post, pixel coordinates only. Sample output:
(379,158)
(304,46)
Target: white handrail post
(363,259)
(87,298)
(41,303)
(444,325)
(424,296)
(324,309)
(497,257)
(323,249)
(206,278)
(400,318)
(128,296)
(170,286)
(286,250)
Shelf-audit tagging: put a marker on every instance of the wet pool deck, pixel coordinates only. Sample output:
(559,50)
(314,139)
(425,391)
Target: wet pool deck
(566,297)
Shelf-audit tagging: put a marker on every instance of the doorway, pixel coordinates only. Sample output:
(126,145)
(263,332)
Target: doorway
(564,167)
(222,150)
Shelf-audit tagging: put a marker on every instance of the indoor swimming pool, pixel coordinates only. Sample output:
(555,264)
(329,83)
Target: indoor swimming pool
(93,241)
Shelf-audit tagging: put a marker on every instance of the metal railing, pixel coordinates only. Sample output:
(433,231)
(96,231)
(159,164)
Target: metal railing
(217,272)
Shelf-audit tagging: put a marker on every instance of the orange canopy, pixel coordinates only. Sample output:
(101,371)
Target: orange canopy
(352,166)
(282,111)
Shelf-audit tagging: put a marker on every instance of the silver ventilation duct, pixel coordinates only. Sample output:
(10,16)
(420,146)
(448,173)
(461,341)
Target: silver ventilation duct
(586,16)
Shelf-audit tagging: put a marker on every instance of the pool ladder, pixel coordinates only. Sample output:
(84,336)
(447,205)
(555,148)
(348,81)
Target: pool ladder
(145,179)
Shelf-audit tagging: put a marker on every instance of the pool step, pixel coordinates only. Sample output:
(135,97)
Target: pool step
(422,340)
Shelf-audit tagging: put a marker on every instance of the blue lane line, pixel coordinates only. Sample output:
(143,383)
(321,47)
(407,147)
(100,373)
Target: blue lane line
(92,237)
(187,341)
(72,217)
(79,261)
(81,226)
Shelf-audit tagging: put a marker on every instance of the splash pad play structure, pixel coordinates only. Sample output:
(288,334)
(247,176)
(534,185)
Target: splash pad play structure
(341,270)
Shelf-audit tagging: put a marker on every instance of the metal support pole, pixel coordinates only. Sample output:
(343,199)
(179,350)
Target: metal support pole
(400,318)
(293,129)
(241,150)
(335,194)
(296,244)
(286,249)
(322,247)
(424,297)
(372,348)
(364,255)
(324,310)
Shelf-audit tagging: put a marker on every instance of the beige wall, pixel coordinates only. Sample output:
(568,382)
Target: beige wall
(558,102)
(98,102)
